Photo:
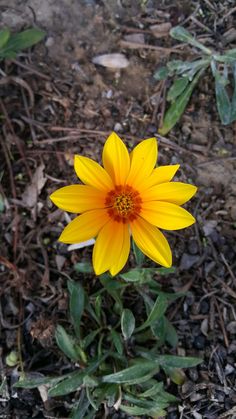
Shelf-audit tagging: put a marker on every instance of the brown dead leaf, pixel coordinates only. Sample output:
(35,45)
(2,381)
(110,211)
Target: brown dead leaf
(33,190)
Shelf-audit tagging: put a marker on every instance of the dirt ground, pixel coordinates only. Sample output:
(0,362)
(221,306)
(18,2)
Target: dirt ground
(55,101)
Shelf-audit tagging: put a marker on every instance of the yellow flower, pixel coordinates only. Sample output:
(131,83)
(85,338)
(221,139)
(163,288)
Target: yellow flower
(127,196)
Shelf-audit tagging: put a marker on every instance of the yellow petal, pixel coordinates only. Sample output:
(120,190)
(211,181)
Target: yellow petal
(166,215)
(122,256)
(116,159)
(107,251)
(159,175)
(84,227)
(78,198)
(151,242)
(175,192)
(143,160)
(91,173)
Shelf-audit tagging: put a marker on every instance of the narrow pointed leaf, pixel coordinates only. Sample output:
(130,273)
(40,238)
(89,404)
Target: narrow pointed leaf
(222,97)
(176,110)
(76,304)
(138,254)
(117,341)
(132,375)
(228,57)
(170,361)
(177,88)
(156,313)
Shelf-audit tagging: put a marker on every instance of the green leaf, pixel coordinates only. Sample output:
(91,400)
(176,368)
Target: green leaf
(98,306)
(29,382)
(83,267)
(169,361)
(144,407)
(222,97)
(136,374)
(68,385)
(81,408)
(90,338)
(66,343)
(181,34)
(75,380)
(140,275)
(165,271)
(156,313)
(138,254)
(113,287)
(159,331)
(127,323)
(162,73)
(4,36)
(117,341)
(76,305)
(177,88)
(156,388)
(228,57)
(170,333)
(23,40)
(176,110)
(1,203)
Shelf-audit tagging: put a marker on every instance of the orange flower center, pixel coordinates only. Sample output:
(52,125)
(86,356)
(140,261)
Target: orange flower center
(123,203)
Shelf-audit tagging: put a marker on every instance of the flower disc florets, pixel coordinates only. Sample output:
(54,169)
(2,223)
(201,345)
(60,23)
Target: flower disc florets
(123,203)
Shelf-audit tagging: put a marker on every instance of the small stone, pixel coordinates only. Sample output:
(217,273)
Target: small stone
(135,37)
(49,42)
(187,261)
(199,342)
(193,247)
(118,127)
(204,307)
(193,374)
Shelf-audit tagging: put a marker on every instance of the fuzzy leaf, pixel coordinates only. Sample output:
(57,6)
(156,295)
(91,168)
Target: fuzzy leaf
(117,341)
(228,57)
(127,323)
(132,375)
(76,304)
(156,313)
(222,97)
(66,343)
(177,88)
(181,34)
(176,110)
(162,73)
(138,254)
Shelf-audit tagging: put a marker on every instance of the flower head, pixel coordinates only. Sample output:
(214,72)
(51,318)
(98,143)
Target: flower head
(127,196)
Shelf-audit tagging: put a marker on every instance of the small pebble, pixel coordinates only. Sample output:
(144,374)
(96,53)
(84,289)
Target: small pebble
(193,247)
(204,307)
(199,342)
(193,374)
